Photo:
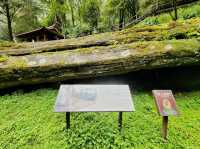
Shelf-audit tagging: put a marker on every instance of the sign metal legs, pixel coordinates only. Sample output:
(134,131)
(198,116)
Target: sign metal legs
(68,120)
(120,121)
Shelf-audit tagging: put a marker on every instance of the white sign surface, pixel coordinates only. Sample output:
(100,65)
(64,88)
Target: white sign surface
(94,98)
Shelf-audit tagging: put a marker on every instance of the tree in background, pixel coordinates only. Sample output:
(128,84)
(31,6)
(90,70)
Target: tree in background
(90,12)
(57,10)
(122,10)
(21,15)
(175,10)
(9,9)
(28,18)
(71,4)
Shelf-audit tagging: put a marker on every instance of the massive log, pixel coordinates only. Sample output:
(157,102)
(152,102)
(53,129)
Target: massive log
(97,61)
(133,49)
(175,30)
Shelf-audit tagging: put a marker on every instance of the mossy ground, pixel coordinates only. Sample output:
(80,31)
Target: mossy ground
(27,120)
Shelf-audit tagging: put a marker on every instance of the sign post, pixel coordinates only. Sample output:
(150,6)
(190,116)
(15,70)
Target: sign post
(165,127)
(166,106)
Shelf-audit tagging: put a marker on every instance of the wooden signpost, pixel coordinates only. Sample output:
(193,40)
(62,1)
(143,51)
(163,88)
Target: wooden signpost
(94,98)
(166,106)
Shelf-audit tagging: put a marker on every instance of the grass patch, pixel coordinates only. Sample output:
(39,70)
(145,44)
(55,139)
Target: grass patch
(27,120)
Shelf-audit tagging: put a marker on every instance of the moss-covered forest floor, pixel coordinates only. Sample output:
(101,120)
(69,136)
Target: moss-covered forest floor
(27,120)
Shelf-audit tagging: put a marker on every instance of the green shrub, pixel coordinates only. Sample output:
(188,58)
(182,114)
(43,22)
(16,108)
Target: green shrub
(151,21)
(190,15)
(183,13)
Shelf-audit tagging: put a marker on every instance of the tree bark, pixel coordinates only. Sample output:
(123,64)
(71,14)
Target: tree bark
(121,19)
(175,10)
(122,16)
(72,12)
(9,20)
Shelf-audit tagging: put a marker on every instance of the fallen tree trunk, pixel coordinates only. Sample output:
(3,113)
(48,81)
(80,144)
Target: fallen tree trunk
(104,54)
(176,30)
(97,61)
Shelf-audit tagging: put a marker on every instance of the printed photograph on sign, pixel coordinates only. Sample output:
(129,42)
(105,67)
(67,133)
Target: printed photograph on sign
(84,93)
(83,96)
(165,102)
(78,98)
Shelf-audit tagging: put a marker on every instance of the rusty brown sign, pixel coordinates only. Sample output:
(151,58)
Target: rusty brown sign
(165,102)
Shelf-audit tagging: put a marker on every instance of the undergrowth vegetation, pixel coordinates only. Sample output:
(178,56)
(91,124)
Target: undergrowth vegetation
(27,120)
(192,11)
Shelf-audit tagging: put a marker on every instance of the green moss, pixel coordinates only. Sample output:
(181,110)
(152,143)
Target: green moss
(5,45)
(17,64)
(3,58)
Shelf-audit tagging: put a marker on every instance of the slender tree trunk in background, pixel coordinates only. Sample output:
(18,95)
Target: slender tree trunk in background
(72,14)
(121,19)
(9,20)
(175,10)
(124,19)
(79,10)
(157,4)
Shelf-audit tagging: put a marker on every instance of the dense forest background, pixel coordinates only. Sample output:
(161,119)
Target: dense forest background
(75,17)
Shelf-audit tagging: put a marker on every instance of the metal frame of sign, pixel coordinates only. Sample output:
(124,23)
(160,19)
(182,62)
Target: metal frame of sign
(87,98)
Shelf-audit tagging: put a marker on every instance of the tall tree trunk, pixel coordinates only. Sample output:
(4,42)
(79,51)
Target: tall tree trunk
(72,13)
(175,10)
(73,20)
(9,20)
(121,19)
(79,11)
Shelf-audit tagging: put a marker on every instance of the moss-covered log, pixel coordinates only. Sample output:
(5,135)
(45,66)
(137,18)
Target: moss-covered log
(97,61)
(175,30)
(133,49)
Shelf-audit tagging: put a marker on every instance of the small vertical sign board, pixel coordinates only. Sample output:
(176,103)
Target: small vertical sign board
(166,106)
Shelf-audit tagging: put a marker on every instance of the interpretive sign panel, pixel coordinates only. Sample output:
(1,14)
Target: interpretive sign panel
(165,102)
(94,98)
